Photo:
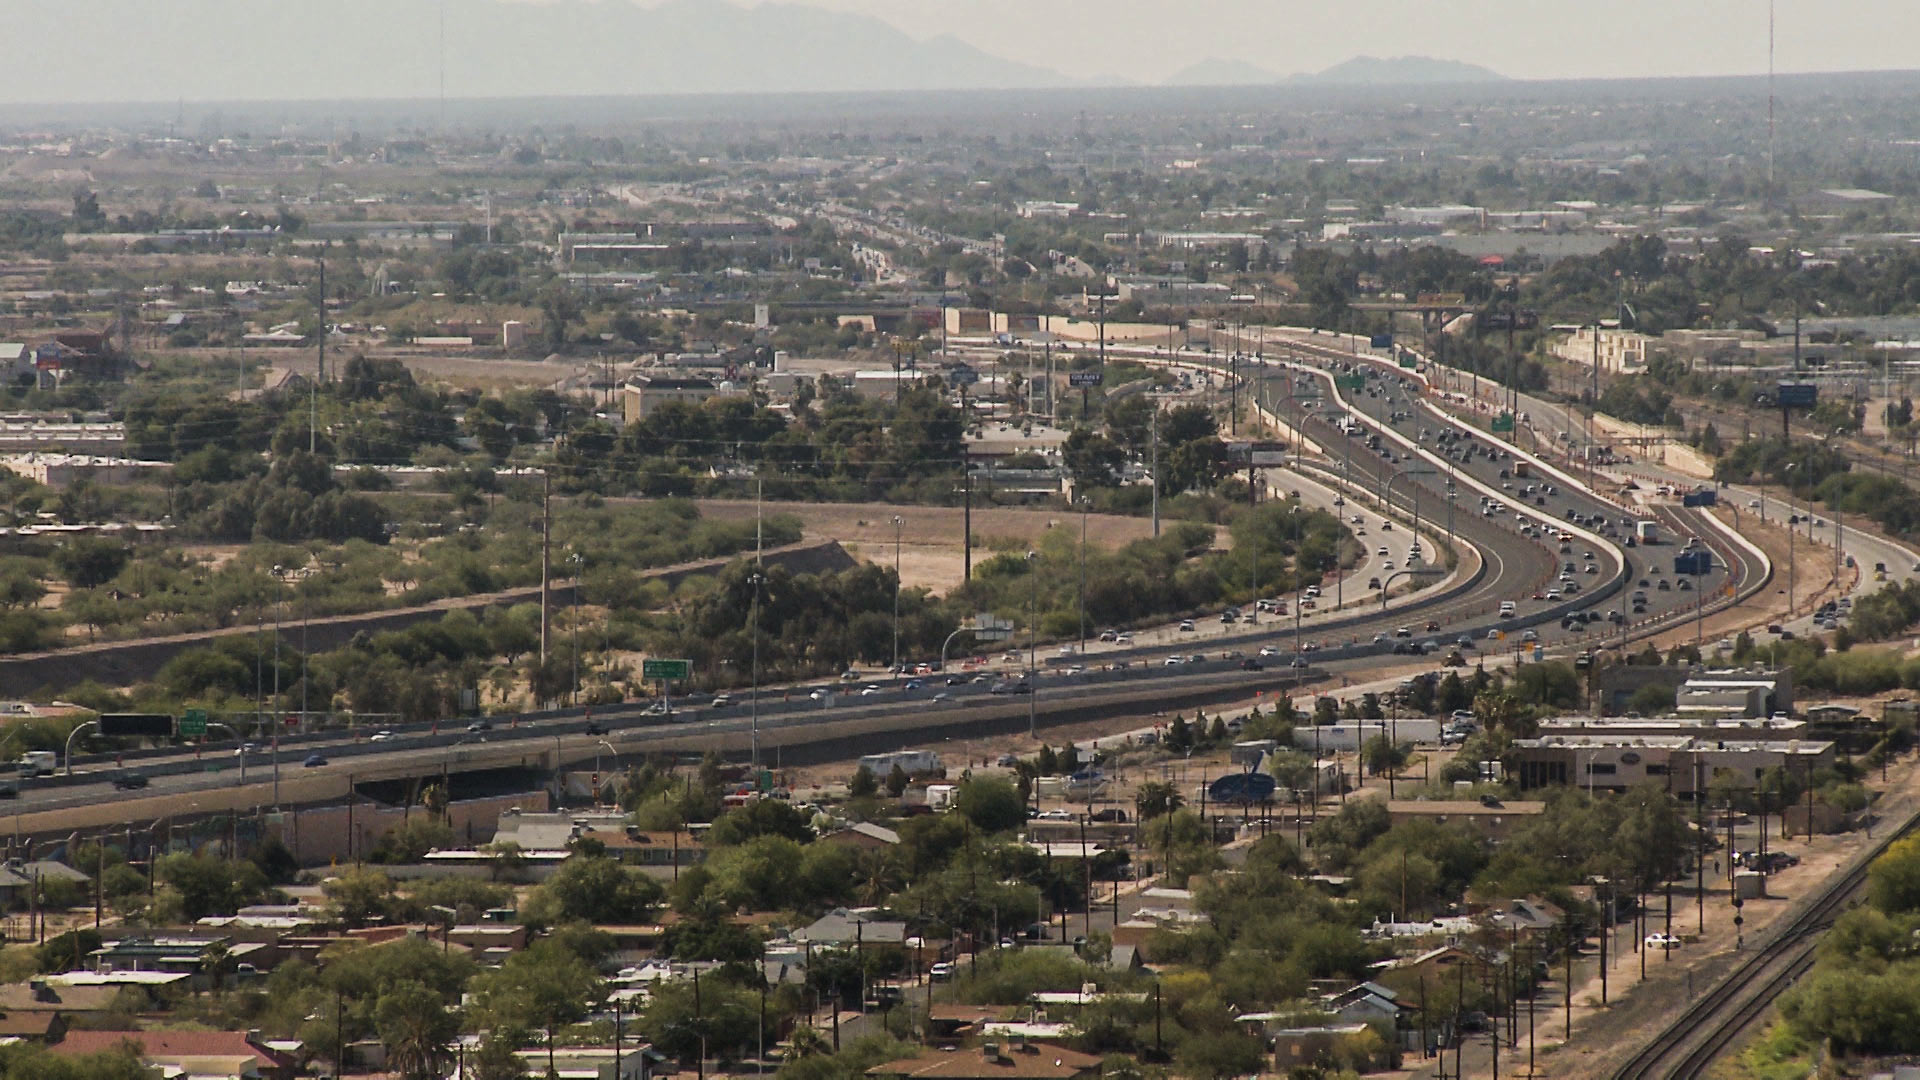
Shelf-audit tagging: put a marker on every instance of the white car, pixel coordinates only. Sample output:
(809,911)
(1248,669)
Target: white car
(1662,941)
(1270,650)
(382,735)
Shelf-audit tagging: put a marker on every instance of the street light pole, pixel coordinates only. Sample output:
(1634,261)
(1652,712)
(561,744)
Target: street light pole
(896,596)
(1084,503)
(1033,641)
(753,695)
(573,695)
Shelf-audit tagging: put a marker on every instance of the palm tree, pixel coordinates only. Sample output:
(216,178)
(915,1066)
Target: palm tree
(1157,798)
(805,1042)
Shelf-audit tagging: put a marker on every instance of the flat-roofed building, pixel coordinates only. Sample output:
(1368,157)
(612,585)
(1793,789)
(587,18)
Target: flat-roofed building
(1682,764)
(645,393)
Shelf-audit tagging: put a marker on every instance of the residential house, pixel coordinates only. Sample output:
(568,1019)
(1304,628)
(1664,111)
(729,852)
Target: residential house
(863,835)
(1531,917)
(1433,965)
(203,1055)
(1310,1046)
(1365,1003)
(1016,1058)
(660,847)
(840,928)
(202,959)
(43,995)
(37,1026)
(951,1022)
(1489,818)
(593,1062)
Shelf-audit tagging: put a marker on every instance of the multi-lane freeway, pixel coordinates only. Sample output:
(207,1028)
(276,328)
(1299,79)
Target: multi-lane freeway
(1542,541)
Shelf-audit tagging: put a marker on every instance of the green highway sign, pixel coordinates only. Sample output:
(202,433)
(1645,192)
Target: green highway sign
(1350,382)
(1407,361)
(666,669)
(193,723)
(1503,423)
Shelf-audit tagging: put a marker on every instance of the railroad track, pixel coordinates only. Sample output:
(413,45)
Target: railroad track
(1709,1024)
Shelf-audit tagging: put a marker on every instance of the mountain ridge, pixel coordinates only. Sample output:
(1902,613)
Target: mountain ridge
(231,50)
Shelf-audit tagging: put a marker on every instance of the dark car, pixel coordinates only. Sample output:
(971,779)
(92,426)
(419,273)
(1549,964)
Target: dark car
(595,728)
(130,781)
(314,761)
(1250,664)
(478,726)
(1011,687)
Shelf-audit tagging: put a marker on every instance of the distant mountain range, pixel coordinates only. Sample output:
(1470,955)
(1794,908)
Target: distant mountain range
(249,50)
(1359,71)
(320,50)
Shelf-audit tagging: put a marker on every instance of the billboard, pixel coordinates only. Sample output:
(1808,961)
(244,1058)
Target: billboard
(136,725)
(1084,378)
(1792,395)
(1248,787)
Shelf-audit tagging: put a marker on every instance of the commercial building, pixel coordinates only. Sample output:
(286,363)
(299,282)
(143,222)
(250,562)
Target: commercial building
(1618,352)
(1700,692)
(1683,764)
(61,471)
(1171,291)
(645,393)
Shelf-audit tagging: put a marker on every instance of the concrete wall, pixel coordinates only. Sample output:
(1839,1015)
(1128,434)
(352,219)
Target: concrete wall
(320,834)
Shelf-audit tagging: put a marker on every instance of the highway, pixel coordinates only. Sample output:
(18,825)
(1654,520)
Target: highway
(1558,426)
(1512,556)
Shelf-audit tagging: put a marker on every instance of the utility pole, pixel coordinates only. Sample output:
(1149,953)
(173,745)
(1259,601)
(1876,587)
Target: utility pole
(1154,442)
(546,553)
(320,369)
(966,543)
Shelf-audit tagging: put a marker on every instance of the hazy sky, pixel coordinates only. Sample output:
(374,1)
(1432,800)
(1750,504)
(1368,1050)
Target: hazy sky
(1141,39)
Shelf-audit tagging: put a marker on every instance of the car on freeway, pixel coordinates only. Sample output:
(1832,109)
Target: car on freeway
(314,761)
(130,781)
(383,735)
(1250,664)
(661,708)
(1269,650)
(869,690)
(479,726)
(721,701)
(1012,686)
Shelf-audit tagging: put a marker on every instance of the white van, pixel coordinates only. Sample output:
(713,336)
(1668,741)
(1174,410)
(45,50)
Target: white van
(1506,608)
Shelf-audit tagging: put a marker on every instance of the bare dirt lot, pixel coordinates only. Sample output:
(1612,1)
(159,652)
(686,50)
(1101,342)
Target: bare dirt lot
(932,551)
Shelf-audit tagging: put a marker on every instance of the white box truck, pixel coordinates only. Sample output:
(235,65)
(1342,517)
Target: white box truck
(39,763)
